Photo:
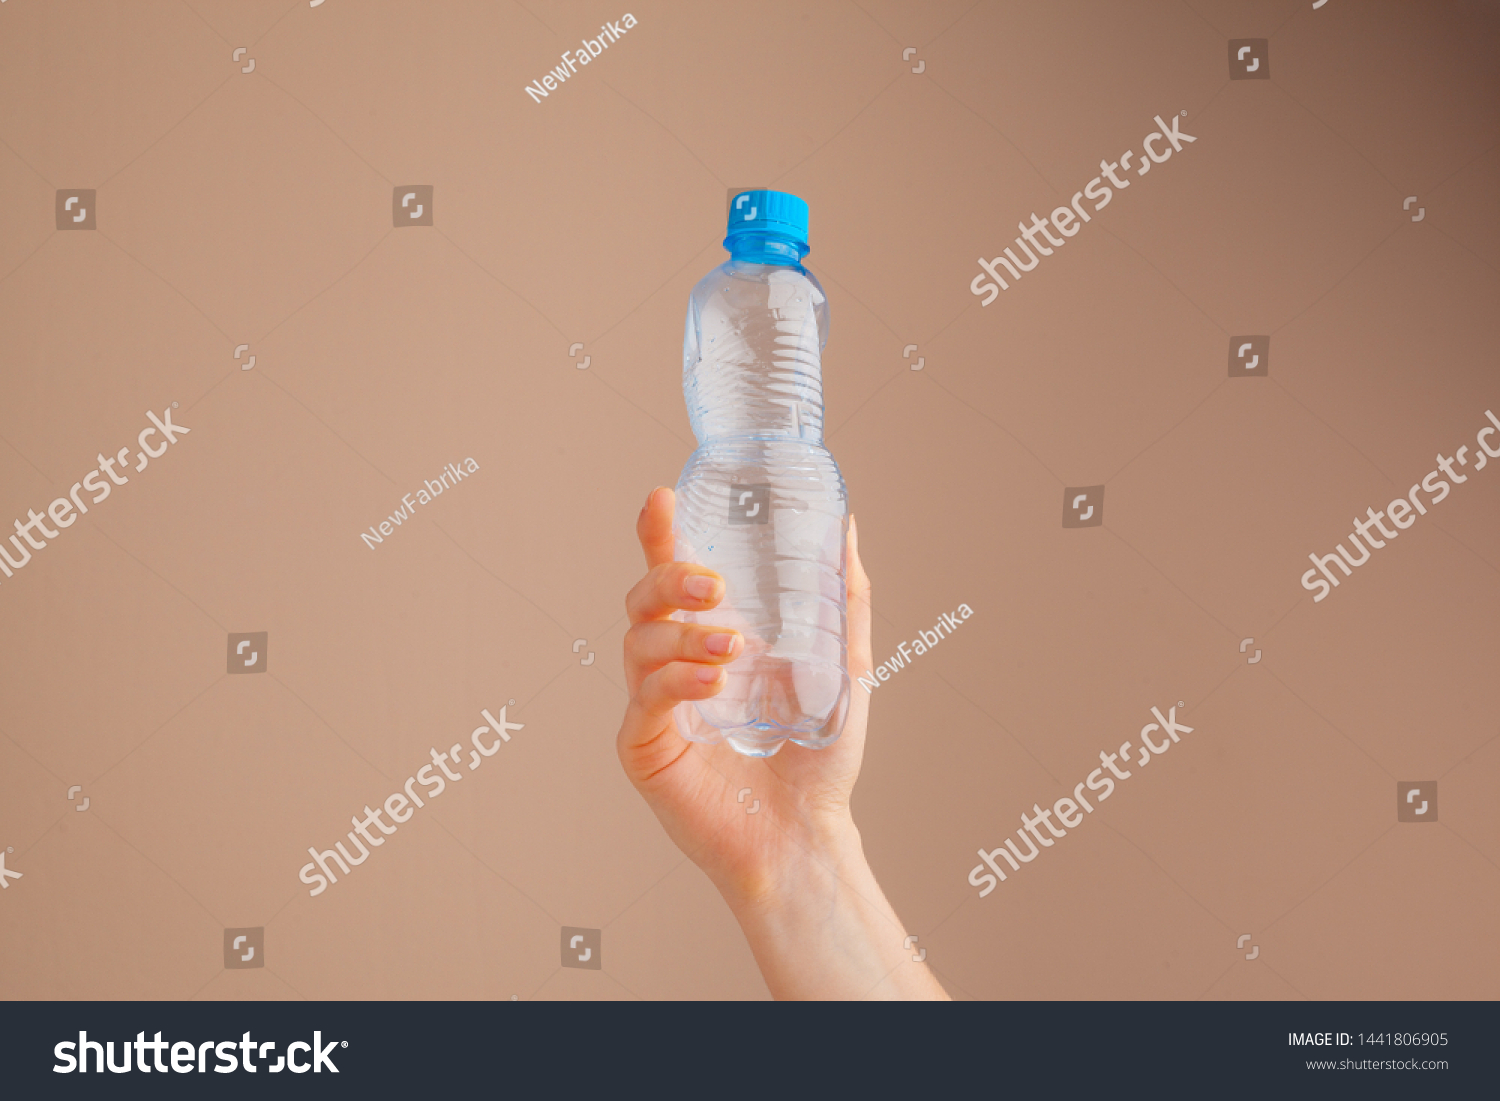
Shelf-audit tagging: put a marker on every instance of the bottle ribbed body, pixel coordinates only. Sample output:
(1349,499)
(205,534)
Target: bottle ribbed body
(761,501)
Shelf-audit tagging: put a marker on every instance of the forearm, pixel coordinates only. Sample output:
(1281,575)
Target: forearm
(824,930)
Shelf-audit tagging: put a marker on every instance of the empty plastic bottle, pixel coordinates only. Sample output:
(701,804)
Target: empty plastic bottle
(761,500)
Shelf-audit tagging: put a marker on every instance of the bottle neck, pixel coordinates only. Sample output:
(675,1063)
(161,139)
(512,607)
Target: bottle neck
(766,248)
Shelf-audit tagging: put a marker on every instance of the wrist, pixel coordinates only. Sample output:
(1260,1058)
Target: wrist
(810,860)
(818,925)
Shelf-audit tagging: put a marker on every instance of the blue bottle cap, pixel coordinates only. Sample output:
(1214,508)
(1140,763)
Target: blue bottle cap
(769,213)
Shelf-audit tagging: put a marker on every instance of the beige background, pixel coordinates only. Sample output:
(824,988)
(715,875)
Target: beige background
(254,208)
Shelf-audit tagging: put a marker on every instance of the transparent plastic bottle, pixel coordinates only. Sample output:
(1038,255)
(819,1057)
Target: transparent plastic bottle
(761,500)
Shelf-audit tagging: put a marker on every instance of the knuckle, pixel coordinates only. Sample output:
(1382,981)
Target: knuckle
(663,686)
(638,595)
(684,679)
(669,584)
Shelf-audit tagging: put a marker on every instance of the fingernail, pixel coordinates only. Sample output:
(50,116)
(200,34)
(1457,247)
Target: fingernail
(700,586)
(648,499)
(708,674)
(719,645)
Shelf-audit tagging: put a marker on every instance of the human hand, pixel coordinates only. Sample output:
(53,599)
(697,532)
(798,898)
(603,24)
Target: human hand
(794,873)
(693,788)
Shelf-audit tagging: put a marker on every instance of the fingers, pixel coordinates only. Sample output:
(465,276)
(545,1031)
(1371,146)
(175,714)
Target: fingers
(648,742)
(666,661)
(654,643)
(654,526)
(671,586)
(672,684)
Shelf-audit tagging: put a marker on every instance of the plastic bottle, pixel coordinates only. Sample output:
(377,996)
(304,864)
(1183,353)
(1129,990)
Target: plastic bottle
(761,500)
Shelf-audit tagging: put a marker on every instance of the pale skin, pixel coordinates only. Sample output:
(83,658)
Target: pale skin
(794,873)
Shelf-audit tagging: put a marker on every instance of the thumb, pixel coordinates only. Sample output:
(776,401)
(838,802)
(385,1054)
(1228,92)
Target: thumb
(860,612)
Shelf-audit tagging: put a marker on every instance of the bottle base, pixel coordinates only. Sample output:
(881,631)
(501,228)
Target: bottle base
(759,739)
